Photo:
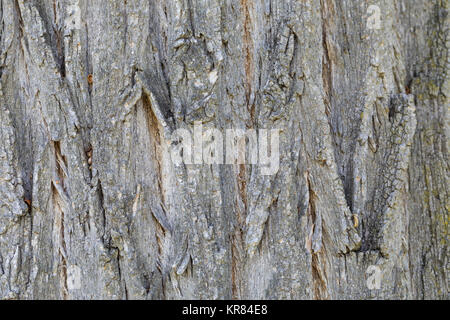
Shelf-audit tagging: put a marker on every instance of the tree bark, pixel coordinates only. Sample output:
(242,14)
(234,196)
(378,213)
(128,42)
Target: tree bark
(93,207)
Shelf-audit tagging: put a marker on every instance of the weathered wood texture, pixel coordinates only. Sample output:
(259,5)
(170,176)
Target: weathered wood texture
(90,90)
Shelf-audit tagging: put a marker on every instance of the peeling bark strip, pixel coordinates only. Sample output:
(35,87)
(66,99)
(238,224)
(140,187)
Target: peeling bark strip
(237,245)
(315,246)
(327,61)
(319,278)
(246,7)
(60,204)
(93,207)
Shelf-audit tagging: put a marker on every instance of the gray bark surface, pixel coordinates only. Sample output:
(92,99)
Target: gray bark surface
(87,104)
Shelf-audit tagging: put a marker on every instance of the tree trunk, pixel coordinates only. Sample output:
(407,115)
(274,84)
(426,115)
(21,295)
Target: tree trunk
(92,205)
